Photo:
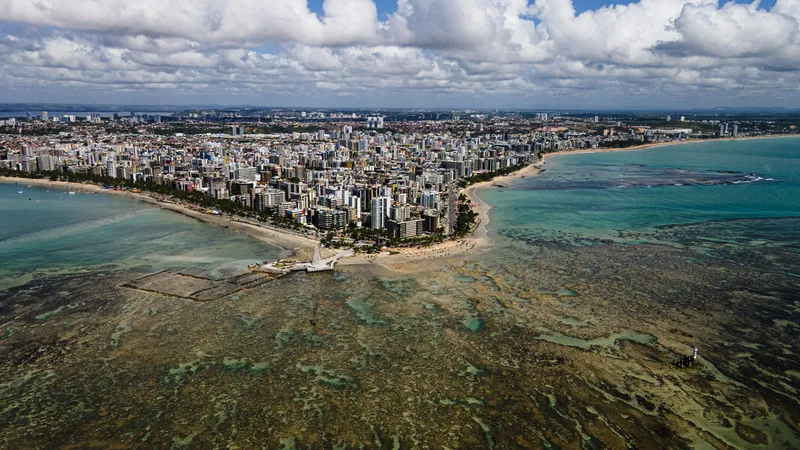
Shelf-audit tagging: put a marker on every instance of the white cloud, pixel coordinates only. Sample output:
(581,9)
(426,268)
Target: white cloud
(476,49)
(733,31)
(225,22)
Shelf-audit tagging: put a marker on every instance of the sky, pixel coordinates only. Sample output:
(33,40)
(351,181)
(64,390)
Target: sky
(531,54)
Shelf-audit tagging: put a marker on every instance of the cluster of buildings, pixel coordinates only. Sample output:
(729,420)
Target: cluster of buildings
(329,179)
(350,172)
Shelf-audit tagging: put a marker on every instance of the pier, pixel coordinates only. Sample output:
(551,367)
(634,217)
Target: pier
(317,264)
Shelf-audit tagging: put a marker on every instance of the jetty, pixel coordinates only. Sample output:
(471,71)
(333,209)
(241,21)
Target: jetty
(316,265)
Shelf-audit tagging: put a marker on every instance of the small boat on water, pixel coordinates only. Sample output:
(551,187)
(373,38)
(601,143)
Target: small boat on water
(37,201)
(20,192)
(71,193)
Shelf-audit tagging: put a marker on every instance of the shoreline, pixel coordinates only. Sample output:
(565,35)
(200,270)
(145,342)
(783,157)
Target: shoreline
(472,192)
(400,260)
(393,259)
(665,144)
(299,247)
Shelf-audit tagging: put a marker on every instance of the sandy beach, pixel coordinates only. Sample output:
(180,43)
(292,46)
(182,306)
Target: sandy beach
(407,259)
(296,246)
(399,259)
(479,239)
(664,144)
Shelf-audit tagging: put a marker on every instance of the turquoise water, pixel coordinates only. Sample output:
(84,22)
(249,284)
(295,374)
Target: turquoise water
(84,232)
(533,343)
(598,195)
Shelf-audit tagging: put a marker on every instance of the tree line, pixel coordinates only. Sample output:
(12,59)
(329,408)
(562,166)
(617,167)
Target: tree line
(194,197)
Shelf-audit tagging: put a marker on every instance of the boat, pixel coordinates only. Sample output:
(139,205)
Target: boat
(37,201)
(71,193)
(20,192)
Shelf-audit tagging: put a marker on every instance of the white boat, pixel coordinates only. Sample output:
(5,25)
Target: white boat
(20,192)
(71,193)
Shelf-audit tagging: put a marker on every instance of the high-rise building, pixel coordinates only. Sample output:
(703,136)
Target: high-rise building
(111,171)
(269,198)
(400,213)
(406,229)
(355,203)
(431,221)
(45,162)
(374,122)
(380,209)
(246,173)
(331,218)
(430,199)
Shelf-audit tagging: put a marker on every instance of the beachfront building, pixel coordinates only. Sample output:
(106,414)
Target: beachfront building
(330,219)
(430,199)
(338,171)
(406,229)
(380,211)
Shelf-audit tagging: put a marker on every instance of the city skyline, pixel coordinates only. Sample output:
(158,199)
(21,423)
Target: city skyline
(546,54)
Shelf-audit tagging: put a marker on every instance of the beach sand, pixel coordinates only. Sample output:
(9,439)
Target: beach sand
(401,259)
(406,260)
(301,247)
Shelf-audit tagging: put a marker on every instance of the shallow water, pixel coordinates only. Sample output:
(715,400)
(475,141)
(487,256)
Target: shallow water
(550,340)
(84,233)
(596,195)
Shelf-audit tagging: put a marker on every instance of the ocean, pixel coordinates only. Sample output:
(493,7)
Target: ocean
(48,231)
(605,270)
(602,194)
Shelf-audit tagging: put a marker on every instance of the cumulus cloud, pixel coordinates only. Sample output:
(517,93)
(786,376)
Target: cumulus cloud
(733,31)
(471,49)
(226,22)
